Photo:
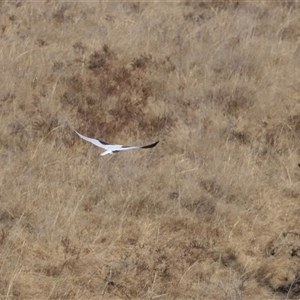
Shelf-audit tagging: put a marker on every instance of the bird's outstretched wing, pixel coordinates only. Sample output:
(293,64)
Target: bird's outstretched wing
(98,143)
(123,148)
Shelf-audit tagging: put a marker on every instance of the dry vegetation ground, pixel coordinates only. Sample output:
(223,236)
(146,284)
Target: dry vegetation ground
(212,212)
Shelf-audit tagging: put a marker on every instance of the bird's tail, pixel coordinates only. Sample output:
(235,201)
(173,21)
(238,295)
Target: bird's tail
(106,152)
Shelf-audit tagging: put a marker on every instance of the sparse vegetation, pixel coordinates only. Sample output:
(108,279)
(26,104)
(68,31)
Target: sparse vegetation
(212,212)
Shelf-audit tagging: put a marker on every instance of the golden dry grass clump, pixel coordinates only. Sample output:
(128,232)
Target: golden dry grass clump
(212,212)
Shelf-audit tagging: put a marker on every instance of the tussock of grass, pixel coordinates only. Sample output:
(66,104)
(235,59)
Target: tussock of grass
(212,212)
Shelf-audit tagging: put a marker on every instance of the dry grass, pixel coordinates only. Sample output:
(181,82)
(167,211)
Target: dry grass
(212,212)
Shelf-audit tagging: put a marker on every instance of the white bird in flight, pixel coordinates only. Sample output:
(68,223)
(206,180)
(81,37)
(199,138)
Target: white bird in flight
(110,149)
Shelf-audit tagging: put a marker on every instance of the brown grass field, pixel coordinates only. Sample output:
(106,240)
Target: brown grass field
(212,212)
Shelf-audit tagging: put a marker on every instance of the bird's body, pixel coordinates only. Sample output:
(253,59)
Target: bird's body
(110,149)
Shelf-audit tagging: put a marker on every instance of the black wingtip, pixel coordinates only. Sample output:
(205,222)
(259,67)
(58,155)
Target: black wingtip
(150,146)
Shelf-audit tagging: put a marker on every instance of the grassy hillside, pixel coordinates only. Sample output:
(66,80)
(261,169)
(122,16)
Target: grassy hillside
(212,212)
